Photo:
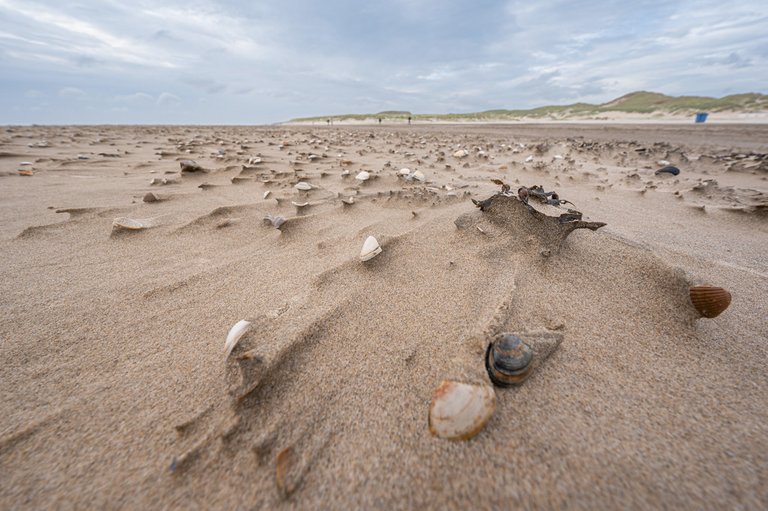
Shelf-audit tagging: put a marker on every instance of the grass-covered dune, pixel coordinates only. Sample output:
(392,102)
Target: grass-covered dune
(641,102)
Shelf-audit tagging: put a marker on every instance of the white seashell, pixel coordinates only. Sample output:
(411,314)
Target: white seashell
(234,336)
(266,194)
(345,173)
(403,172)
(349,201)
(300,204)
(25,163)
(128,223)
(371,249)
(419,176)
(312,157)
(254,161)
(363,176)
(558,156)
(459,411)
(663,163)
(461,153)
(529,159)
(303,186)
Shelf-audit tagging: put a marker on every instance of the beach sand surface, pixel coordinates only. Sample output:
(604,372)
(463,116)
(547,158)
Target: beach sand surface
(116,392)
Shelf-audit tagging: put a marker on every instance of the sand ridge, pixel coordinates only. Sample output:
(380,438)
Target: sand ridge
(115,390)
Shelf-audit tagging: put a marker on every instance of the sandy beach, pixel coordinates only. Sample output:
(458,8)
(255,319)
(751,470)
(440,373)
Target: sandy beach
(116,392)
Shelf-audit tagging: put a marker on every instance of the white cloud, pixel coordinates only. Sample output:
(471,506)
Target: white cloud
(166,98)
(72,93)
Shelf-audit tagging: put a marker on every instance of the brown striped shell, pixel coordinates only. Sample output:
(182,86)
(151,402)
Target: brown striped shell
(710,301)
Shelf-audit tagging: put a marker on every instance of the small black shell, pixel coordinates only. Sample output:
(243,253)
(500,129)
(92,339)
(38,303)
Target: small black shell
(508,361)
(668,170)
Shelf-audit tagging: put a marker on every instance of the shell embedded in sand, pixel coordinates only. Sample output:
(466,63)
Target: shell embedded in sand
(508,361)
(529,159)
(348,201)
(459,411)
(25,172)
(371,249)
(235,334)
(151,197)
(404,171)
(419,176)
(363,176)
(128,223)
(461,153)
(303,186)
(710,301)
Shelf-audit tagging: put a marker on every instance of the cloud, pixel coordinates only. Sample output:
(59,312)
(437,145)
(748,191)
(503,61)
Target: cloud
(72,93)
(166,98)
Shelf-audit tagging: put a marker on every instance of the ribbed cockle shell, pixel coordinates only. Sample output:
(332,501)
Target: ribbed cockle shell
(710,301)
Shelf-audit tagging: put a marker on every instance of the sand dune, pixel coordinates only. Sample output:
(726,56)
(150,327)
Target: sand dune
(116,391)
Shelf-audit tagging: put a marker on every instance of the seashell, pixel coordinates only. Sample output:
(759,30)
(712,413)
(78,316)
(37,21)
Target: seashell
(285,464)
(348,201)
(404,172)
(128,223)
(663,163)
(312,157)
(151,197)
(458,411)
(529,159)
(235,334)
(266,194)
(345,162)
(508,360)
(345,173)
(25,172)
(419,176)
(710,301)
(461,153)
(25,163)
(668,170)
(371,249)
(190,166)
(303,186)
(254,161)
(363,176)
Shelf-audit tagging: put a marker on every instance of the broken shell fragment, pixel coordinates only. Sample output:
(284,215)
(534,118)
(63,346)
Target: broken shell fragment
(266,194)
(458,411)
(371,249)
(710,301)
(508,361)
(25,172)
(235,334)
(363,176)
(303,186)
(128,224)
(404,171)
(151,197)
(419,176)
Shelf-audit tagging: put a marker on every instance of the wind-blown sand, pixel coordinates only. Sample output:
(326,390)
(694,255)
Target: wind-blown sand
(114,388)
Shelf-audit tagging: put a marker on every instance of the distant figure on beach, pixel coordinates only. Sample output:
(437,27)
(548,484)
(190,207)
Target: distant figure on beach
(379,120)
(409,119)
(328,122)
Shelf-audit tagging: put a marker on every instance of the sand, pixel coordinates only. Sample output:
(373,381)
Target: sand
(115,391)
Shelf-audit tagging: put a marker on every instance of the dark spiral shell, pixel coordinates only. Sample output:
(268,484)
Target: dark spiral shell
(710,301)
(508,361)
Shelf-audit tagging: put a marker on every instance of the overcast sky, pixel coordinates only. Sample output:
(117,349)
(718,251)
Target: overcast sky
(253,62)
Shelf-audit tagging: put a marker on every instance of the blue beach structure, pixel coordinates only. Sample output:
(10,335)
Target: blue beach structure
(701,117)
